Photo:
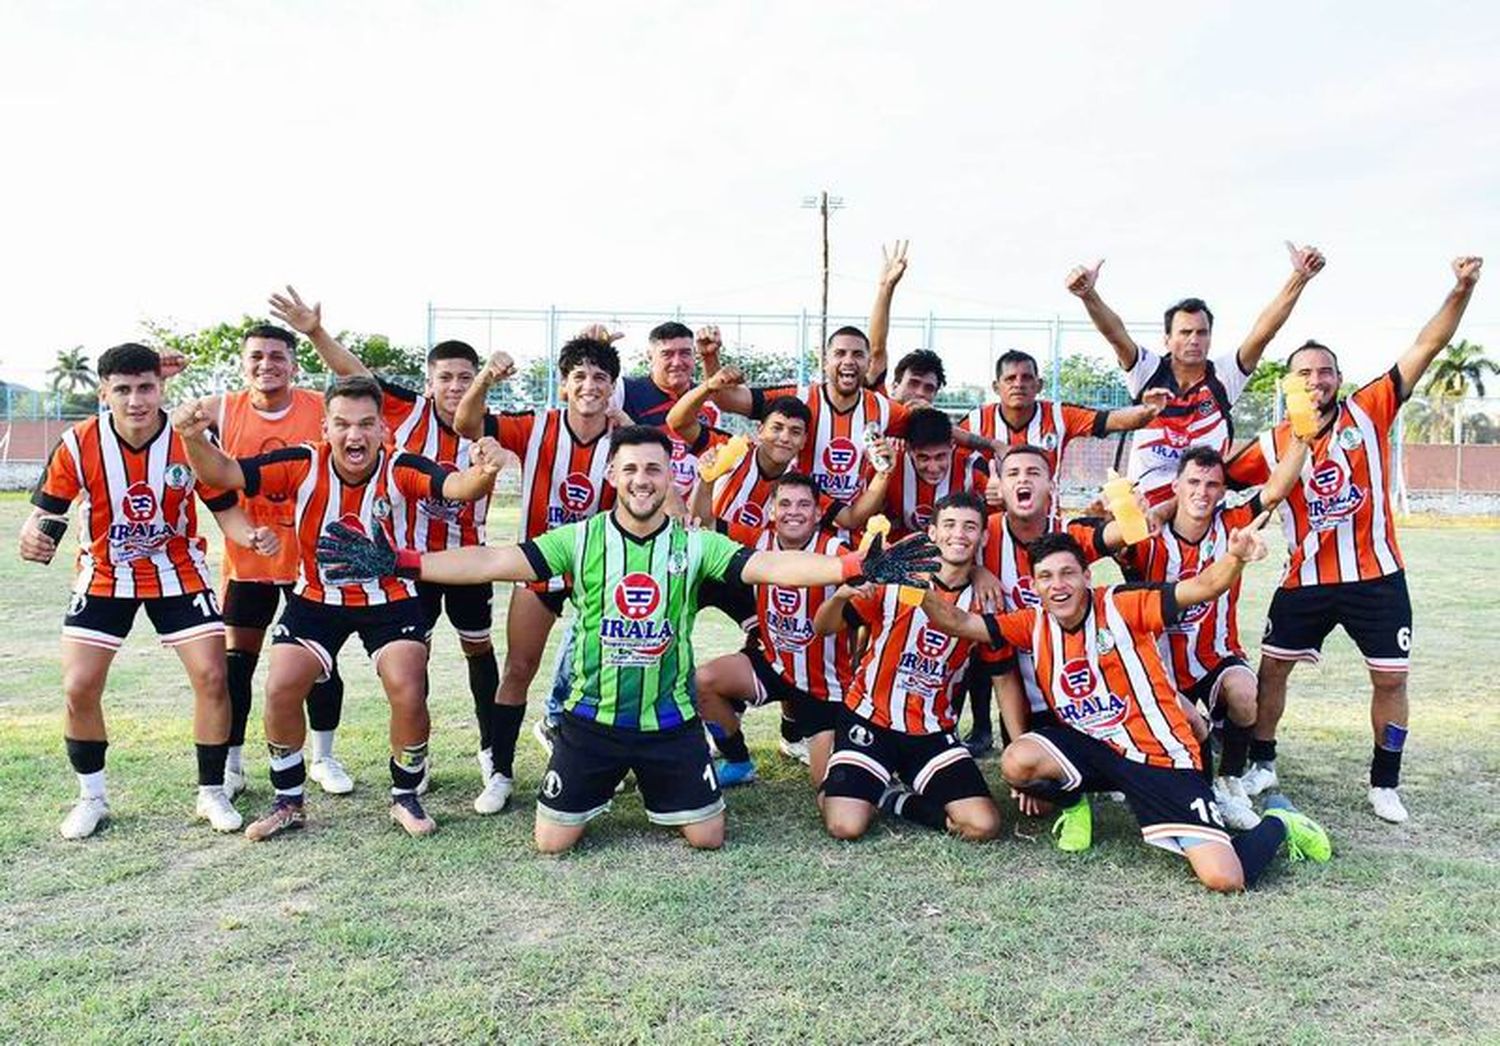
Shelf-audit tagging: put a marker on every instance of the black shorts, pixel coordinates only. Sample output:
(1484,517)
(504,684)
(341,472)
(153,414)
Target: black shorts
(737,601)
(252,604)
(553,599)
(866,757)
(468,607)
(323,629)
(1170,805)
(1376,614)
(813,714)
(1205,692)
(673,769)
(105,621)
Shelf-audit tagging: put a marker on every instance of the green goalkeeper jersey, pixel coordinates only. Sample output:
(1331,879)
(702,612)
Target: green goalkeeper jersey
(632,661)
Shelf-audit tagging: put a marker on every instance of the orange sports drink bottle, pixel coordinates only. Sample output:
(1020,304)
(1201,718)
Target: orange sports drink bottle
(1299,407)
(1119,494)
(730,454)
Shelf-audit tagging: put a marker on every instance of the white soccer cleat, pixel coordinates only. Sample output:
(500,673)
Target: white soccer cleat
(1386,802)
(84,818)
(797,750)
(495,795)
(235,783)
(331,776)
(1234,805)
(1261,777)
(213,806)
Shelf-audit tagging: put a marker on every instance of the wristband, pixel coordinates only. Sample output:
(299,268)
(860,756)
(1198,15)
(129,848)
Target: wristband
(409,563)
(852,567)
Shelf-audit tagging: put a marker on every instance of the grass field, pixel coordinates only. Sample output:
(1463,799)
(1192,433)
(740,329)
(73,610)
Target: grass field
(158,930)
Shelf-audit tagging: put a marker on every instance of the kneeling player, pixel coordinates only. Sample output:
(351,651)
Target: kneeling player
(1119,723)
(636,575)
(349,481)
(790,662)
(898,719)
(140,549)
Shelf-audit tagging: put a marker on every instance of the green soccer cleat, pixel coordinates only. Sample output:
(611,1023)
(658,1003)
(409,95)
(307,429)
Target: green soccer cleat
(1074,827)
(1305,838)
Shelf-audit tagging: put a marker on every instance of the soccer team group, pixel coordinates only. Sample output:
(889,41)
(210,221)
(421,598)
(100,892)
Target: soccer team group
(885,564)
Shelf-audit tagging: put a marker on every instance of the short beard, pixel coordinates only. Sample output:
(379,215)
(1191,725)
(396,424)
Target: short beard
(641,517)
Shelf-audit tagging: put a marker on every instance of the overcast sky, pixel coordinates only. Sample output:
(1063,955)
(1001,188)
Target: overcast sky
(179,161)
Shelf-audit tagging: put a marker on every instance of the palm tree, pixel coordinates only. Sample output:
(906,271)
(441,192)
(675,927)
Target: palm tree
(72,373)
(1460,369)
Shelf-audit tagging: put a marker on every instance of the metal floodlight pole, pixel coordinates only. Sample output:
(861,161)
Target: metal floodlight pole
(823,203)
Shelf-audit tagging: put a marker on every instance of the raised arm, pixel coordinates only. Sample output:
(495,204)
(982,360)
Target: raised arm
(1245,546)
(1440,329)
(1285,477)
(468,416)
(710,344)
(474,482)
(683,417)
(1128,419)
(1082,282)
(1307,262)
(892,268)
(213,466)
(945,617)
(307,320)
(910,562)
(871,500)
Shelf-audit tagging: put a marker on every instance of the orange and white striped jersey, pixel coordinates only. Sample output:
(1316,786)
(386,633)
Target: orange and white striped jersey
(322,497)
(910,670)
(434,523)
(1009,560)
(909,498)
(1051,427)
(1105,678)
(562,477)
(817,665)
(835,450)
(245,432)
(1338,521)
(1208,633)
(1194,416)
(742,496)
(138,537)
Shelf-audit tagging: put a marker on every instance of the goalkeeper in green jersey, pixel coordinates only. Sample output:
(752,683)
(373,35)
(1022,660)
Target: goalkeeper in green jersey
(635,577)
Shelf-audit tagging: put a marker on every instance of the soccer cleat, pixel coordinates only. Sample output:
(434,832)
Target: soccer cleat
(84,819)
(495,795)
(797,750)
(1234,805)
(731,774)
(235,783)
(331,776)
(213,806)
(1386,802)
(979,742)
(1261,777)
(1305,838)
(406,810)
(545,732)
(286,814)
(1074,827)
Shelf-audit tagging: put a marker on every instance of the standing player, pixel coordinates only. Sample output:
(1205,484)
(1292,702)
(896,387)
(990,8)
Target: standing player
(269,413)
(635,577)
(139,547)
(789,663)
(351,482)
(423,425)
(897,719)
(1120,725)
(1202,650)
(563,454)
(1020,417)
(1343,566)
(1203,387)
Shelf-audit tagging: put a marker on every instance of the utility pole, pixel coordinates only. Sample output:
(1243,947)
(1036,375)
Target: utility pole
(823,203)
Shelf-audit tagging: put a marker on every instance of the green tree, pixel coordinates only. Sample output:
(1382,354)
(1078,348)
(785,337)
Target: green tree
(1267,377)
(1088,380)
(71,374)
(1460,370)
